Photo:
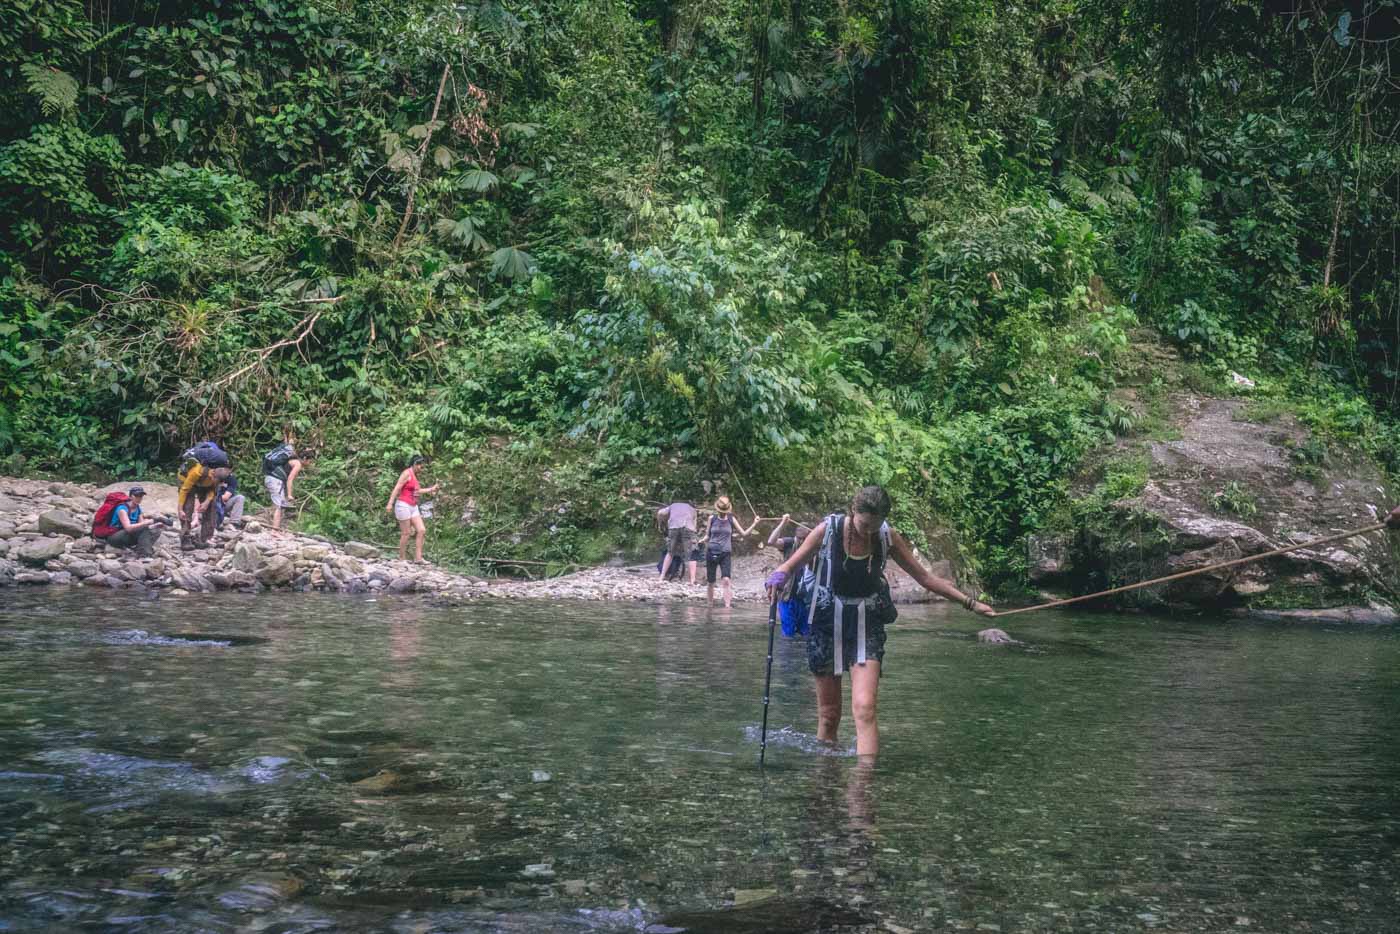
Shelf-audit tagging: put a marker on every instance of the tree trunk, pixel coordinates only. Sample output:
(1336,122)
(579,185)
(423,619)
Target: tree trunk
(422,153)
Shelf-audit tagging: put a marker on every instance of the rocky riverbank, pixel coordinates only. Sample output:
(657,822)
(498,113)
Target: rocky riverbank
(1231,480)
(45,539)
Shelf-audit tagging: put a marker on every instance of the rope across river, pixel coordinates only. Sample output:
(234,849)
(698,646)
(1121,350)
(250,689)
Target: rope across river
(1236,562)
(1375,527)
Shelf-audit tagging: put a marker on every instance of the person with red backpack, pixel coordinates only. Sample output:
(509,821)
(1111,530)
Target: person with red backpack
(118,523)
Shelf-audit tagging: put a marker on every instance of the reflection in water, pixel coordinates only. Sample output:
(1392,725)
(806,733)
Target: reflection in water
(340,764)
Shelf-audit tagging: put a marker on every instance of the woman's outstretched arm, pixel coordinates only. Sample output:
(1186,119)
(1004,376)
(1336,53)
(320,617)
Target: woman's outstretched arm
(778,530)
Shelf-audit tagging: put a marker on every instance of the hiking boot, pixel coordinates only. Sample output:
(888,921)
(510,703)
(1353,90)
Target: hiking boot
(186,545)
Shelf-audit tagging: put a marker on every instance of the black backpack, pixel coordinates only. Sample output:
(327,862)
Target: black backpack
(207,453)
(276,459)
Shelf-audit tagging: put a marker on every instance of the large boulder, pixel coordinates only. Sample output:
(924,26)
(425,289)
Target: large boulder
(313,554)
(58,522)
(195,580)
(36,551)
(360,550)
(1229,487)
(349,567)
(246,557)
(277,571)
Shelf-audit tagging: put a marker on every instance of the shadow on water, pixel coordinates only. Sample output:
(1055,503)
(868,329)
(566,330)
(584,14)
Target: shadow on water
(206,637)
(142,637)
(771,916)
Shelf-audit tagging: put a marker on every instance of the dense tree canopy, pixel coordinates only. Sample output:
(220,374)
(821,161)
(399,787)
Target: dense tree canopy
(901,238)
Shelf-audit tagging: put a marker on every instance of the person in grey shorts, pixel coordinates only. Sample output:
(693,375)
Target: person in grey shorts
(680,519)
(280,467)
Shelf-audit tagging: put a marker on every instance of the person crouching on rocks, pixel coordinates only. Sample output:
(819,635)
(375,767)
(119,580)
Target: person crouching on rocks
(403,505)
(198,486)
(719,548)
(679,519)
(280,468)
(228,503)
(851,606)
(132,531)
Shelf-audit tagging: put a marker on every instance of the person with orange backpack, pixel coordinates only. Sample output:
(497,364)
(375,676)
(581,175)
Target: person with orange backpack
(118,523)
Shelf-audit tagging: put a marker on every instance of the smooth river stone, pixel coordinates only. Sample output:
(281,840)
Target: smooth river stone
(58,522)
(37,551)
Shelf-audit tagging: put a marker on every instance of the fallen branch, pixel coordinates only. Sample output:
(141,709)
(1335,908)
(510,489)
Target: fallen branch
(563,564)
(307,325)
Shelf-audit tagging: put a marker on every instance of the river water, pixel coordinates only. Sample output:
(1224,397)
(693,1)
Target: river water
(320,763)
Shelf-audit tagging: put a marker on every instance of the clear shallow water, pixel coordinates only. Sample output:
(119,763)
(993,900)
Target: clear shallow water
(535,767)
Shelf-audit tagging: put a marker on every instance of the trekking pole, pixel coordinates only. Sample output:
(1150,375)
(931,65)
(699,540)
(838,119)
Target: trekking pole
(768,677)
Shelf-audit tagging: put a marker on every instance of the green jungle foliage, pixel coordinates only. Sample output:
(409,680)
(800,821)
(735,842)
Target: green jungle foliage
(588,253)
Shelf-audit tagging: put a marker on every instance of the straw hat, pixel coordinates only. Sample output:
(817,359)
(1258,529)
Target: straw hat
(722,506)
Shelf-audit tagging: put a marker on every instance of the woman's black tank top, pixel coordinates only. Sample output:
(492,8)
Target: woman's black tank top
(855,577)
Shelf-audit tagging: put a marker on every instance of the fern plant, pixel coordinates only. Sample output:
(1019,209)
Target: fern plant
(57,90)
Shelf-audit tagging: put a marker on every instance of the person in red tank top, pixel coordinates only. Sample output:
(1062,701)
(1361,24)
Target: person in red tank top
(403,506)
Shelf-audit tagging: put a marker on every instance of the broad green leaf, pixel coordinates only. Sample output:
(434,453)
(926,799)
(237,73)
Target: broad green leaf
(511,263)
(479,180)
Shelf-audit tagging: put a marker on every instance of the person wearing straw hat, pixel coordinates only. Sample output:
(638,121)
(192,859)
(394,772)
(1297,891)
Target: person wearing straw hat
(719,548)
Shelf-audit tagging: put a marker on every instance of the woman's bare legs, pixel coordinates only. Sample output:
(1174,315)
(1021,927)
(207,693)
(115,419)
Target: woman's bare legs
(728,591)
(422,530)
(828,707)
(405,530)
(865,696)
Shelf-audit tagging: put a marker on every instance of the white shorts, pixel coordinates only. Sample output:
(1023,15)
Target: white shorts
(277,489)
(403,511)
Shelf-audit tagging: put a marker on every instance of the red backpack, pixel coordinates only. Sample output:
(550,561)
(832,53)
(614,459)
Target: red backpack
(102,522)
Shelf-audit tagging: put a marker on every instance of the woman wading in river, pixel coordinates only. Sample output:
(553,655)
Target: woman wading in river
(851,606)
